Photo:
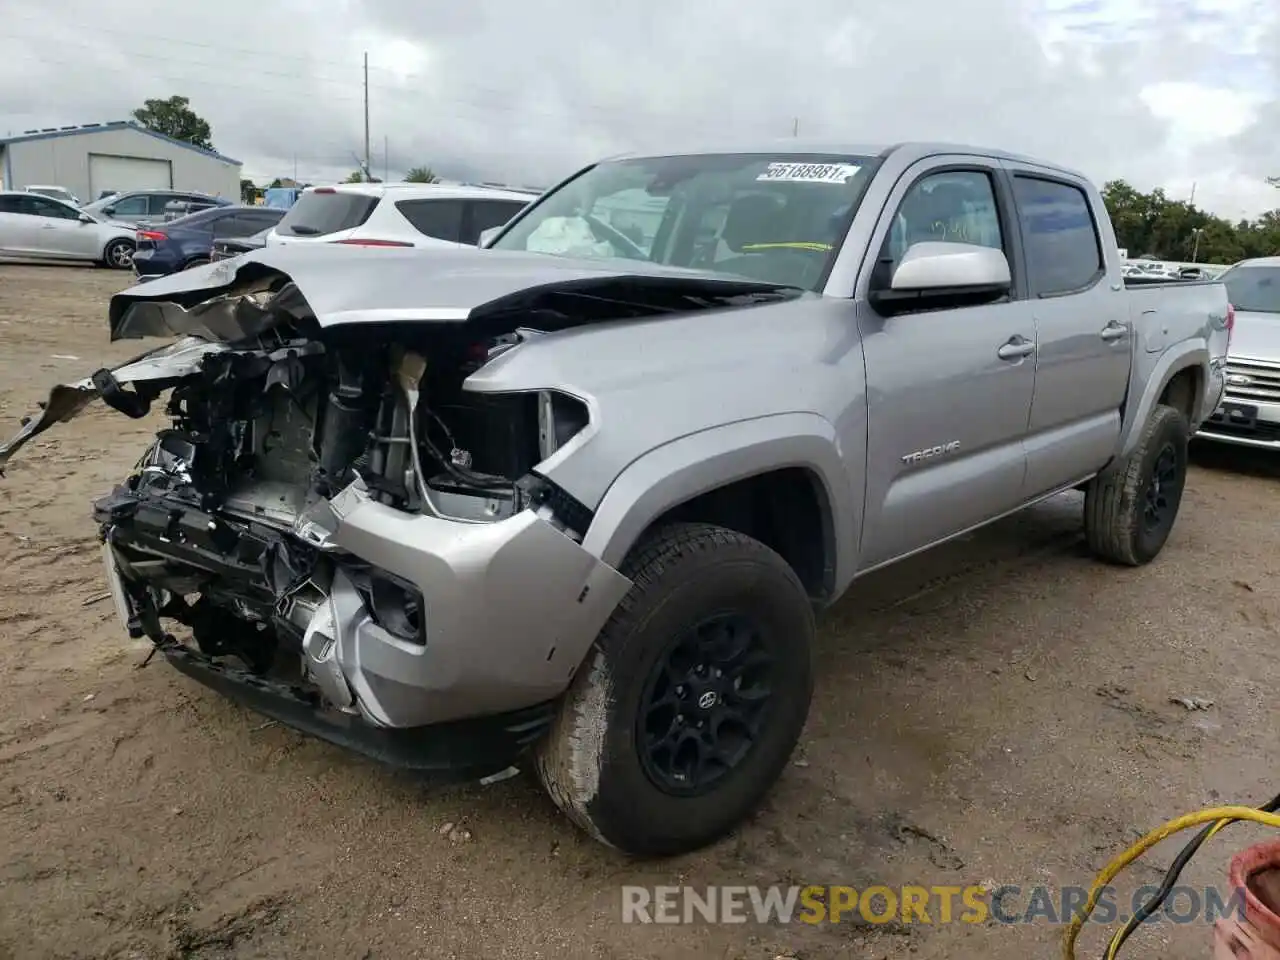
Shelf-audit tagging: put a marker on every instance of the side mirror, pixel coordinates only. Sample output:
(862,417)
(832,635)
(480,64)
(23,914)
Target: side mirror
(109,211)
(487,235)
(85,218)
(941,270)
(937,265)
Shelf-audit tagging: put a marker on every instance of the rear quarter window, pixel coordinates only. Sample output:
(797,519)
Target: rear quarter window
(1064,252)
(317,214)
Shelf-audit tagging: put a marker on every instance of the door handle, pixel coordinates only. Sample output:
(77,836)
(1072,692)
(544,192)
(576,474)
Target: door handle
(47,226)
(1114,331)
(1017,348)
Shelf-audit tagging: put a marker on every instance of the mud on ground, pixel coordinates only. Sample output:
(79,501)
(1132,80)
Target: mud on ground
(997,711)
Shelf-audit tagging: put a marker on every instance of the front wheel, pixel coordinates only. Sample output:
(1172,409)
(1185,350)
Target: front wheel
(118,255)
(195,262)
(692,698)
(1129,512)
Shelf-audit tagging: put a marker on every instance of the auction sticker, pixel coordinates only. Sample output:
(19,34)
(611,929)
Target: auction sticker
(809,172)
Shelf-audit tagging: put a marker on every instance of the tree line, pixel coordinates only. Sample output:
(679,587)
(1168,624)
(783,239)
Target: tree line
(1150,224)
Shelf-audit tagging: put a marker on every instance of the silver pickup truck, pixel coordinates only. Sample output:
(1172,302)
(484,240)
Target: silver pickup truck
(578,494)
(1249,415)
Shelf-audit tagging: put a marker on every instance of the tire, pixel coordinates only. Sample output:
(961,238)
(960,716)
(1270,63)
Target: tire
(195,262)
(118,255)
(593,762)
(1117,523)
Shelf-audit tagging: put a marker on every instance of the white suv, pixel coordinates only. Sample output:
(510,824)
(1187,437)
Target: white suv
(397,214)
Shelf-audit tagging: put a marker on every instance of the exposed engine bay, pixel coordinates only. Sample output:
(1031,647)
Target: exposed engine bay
(268,429)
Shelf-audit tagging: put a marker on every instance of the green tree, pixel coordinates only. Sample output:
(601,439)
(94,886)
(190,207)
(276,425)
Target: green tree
(175,118)
(1151,223)
(421,175)
(357,176)
(249,191)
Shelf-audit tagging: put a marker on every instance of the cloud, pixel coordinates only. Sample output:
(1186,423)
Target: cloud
(1160,92)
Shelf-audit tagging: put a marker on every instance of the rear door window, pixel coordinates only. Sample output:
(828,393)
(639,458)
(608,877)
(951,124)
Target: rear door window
(483,214)
(317,214)
(1064,253)
(441,219)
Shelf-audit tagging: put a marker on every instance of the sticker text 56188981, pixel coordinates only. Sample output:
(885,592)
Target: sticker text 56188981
(809,172)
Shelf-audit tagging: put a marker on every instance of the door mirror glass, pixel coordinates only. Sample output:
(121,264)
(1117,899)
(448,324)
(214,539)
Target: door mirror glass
(942,265)
(488,235)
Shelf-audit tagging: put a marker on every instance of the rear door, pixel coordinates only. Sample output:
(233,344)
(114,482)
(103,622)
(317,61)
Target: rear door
(439,220)
(481,215)
(1083,329)
(949,388)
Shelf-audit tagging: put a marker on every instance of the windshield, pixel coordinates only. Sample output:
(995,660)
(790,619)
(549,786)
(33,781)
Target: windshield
(1253,289)
(773,217)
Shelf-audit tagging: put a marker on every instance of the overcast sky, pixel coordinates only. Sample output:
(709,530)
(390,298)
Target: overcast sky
(1159,92)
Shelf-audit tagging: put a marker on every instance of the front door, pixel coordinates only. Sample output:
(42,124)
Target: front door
(949,390)
(57,231)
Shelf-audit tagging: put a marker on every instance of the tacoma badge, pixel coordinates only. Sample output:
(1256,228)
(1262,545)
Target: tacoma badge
(928,453)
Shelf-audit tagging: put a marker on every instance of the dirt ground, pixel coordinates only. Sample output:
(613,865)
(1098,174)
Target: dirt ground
(997,711)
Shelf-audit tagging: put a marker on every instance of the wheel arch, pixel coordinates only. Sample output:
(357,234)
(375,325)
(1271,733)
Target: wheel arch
(133,243)
(1177,377)
(780,479)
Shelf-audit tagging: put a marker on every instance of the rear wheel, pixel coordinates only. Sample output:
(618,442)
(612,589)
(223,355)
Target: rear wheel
(692,698)
(1129,513)
(118,254)
(195,262)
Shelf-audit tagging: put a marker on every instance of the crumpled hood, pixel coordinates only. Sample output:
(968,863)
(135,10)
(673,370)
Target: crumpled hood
(1256,336)
(348,284)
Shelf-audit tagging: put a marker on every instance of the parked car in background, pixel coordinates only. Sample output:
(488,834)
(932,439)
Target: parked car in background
(58,193)
(226,247)
(1250,412)
(151,206)
(397,214)
(164,248)
(41,227)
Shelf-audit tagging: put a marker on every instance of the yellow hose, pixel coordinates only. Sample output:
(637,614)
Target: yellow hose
(1113,948)
(1112,869)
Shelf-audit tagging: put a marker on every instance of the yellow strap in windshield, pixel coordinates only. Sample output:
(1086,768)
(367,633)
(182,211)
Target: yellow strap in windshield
(792,245)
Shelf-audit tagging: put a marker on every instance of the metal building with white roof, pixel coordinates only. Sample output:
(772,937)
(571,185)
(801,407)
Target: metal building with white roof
(92,159)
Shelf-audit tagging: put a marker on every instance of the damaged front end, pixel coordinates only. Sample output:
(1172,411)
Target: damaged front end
(355,544)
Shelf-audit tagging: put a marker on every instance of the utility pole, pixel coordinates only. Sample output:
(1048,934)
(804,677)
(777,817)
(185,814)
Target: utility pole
(1192,201)
(386,160)
(795,127)
(367,175)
